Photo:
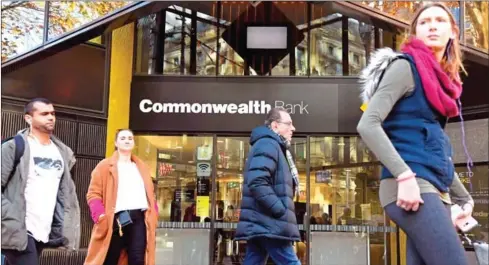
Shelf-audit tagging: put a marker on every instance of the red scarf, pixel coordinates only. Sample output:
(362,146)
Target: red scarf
(441,91)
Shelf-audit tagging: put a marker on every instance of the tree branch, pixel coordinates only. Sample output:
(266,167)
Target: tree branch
(13,5)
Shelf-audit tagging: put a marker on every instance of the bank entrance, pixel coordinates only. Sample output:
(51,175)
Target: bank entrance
(199,189)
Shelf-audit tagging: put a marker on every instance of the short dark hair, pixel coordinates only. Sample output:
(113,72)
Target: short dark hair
(274,115)
(29,107)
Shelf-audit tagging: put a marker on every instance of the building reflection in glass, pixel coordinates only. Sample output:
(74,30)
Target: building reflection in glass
(330,33)
(343,190)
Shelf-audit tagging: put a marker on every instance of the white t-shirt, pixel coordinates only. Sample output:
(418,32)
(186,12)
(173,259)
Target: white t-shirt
(131,193)
(45,171)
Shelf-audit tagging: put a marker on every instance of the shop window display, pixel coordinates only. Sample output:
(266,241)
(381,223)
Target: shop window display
(181,167)
(342,181)
(344,188)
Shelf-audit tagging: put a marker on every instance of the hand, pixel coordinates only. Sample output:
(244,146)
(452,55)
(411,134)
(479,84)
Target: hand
(408,193)
(467,211)
(100,217)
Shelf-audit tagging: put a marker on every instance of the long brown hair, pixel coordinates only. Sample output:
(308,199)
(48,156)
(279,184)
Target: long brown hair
(451,64)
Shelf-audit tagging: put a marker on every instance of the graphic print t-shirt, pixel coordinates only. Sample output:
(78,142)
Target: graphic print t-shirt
(45,171)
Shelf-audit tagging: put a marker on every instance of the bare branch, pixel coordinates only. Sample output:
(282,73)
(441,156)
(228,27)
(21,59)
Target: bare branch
(13,4)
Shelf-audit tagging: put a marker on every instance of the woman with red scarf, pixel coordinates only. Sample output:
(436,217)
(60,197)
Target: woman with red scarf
(409,97)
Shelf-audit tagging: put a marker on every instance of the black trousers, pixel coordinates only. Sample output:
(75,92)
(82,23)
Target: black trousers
(28,256)
(133,240)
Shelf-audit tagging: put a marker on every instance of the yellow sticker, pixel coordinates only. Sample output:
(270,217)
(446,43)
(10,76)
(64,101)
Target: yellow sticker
(363,107)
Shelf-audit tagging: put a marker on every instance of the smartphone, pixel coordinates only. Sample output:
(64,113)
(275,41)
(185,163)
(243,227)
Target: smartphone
(465,224)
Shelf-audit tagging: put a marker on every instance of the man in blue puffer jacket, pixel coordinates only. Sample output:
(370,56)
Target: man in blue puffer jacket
(267,219)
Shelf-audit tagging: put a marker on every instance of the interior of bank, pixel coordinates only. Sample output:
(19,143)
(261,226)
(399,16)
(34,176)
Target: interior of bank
(337,201)
(341,173)
(338,178)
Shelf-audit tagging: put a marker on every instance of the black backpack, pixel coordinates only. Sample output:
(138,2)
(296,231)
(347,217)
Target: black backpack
(19,152)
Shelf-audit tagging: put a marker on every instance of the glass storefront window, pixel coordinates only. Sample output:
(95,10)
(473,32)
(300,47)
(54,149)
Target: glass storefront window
(230,62)
(399,40)
(296,12)
(145,42)
(182,246)
(299,150)
(181,167)
(341,189)
(347,195)
(402,10)
(344,183)
(64,16)
(177,44)
(477,183)
(477,24)
(405,10)
(206,48)
(361,39)
(217,40)
(23,22)
(388,38)
(231,154)
(22,27)
(335,150)
(326,42)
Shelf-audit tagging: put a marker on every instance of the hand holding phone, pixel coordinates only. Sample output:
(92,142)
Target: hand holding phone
(465,223)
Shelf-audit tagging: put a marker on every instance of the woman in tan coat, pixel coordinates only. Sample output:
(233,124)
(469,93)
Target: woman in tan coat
(123,208)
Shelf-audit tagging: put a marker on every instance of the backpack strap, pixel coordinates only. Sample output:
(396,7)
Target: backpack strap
(19,152)
(19,149)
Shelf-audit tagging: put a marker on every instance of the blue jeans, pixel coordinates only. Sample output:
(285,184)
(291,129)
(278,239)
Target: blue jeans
(281,252)
(431,237)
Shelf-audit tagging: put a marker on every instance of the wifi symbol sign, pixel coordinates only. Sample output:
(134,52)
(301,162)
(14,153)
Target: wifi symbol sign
(203,166)
(203,169)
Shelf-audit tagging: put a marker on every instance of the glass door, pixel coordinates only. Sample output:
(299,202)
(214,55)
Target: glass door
(182,169)
(347,222)
(299,150)
(231,158)
(198,182)
(231,155)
